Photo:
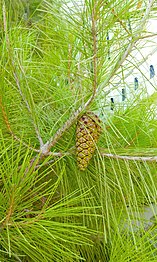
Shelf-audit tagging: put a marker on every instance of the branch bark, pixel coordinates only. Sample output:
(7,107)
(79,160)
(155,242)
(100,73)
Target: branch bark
(132,158)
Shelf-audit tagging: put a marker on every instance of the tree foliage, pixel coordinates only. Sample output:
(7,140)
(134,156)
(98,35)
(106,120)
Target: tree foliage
(56,64)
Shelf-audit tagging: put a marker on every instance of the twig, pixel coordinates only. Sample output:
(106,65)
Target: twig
(16,76)
(133,158)
(148,9)
(109,155)
(147,36)
(5,117)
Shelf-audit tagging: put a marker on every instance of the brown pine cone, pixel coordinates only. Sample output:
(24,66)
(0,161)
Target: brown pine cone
(87,134)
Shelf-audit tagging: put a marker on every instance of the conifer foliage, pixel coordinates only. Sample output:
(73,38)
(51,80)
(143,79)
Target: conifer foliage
(75,176)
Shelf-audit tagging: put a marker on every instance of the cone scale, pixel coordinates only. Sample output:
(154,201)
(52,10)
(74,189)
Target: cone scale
(87,134)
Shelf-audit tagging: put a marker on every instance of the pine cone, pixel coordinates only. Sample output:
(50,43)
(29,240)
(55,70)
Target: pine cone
(87,134)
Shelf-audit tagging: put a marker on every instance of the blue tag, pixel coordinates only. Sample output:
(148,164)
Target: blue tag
(135,83)
(112,103)
(152,71)
(123,94)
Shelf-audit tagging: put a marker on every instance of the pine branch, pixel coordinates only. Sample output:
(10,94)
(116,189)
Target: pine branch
(132,158)
(46,148)
(108,155)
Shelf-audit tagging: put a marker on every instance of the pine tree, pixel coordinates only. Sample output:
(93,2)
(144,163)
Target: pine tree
(56,75)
